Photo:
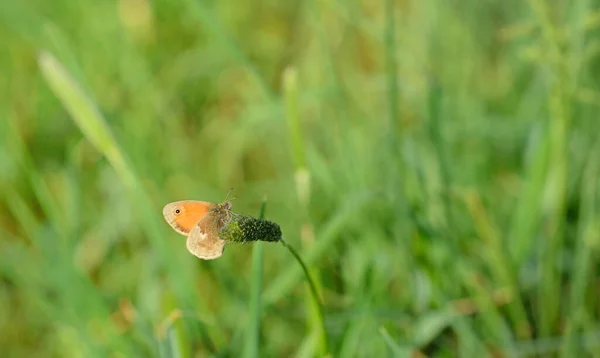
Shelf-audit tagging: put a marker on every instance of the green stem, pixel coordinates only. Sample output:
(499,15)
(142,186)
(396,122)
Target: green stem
(313,290)
(253,332)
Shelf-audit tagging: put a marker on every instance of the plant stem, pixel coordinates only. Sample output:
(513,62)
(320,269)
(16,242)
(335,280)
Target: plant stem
(251,348)
(313,290)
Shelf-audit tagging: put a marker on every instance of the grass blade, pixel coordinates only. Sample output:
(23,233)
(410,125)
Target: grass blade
(90,121)
(303,191)
(587,246)
(85,115)
(395,349)
(252,342)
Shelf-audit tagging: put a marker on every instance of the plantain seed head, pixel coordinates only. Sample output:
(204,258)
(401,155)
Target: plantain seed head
(241,229)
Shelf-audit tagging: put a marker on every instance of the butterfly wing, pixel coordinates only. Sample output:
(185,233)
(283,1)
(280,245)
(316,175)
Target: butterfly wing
(203,240)
(183,215)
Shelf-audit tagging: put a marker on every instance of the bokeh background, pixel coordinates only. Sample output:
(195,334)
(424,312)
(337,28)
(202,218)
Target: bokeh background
(435,163)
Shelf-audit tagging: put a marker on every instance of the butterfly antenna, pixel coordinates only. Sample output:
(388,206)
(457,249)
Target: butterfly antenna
(228,193)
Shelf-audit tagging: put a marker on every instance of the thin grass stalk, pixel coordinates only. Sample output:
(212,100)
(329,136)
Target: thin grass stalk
(491,317)
(252,339)
(303,190)
(587,248)
(395,349)
(527,213)
(314,293)
(557,174)
(435,133)
(578,315)
(352,209)
(499,262)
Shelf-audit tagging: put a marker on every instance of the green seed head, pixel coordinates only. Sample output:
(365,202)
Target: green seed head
(241,229)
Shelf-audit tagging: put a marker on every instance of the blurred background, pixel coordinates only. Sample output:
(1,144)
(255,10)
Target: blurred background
(435,163)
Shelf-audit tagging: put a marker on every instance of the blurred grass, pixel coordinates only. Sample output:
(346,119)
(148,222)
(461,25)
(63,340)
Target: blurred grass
(437,162)
(252,344)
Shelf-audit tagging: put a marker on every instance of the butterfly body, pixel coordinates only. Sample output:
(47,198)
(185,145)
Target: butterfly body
(201,222)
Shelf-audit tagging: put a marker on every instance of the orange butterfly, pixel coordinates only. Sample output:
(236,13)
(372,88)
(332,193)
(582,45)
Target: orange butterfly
(201,222)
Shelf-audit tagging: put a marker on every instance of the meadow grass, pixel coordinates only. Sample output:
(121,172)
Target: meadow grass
(436,165)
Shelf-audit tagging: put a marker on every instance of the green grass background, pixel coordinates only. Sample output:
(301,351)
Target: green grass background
(436,164)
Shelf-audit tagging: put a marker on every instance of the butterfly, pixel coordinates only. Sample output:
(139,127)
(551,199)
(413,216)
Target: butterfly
(201,222)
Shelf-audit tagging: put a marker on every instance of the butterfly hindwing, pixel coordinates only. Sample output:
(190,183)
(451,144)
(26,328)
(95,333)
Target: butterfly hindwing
(203,240)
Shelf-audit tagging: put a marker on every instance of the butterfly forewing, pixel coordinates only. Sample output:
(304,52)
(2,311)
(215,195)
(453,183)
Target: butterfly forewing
(184,215)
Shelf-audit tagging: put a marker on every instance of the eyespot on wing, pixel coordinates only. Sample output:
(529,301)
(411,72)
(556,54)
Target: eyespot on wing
(183,215)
